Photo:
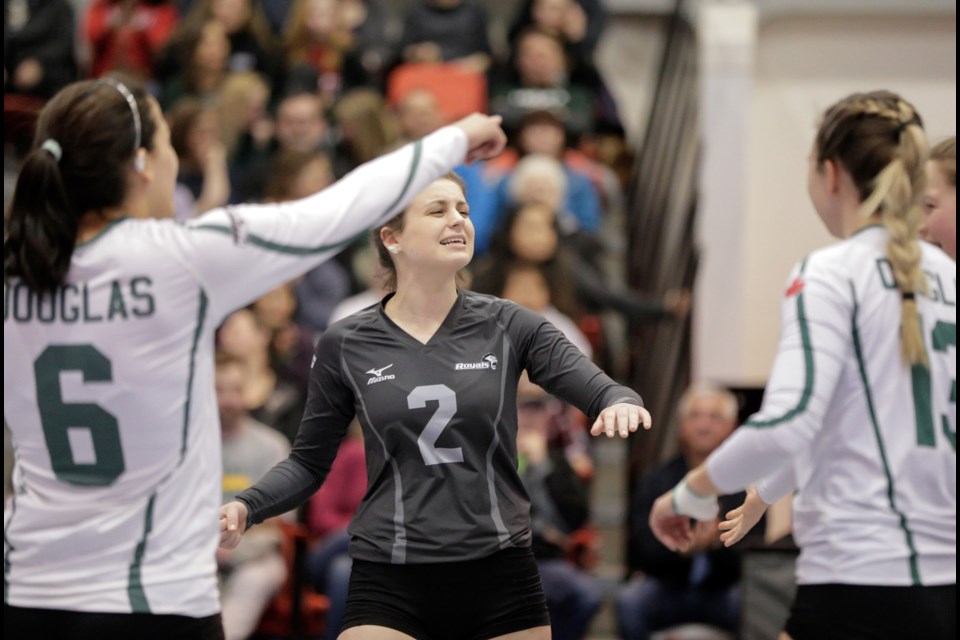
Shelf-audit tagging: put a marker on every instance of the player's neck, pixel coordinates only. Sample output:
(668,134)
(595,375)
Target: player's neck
(420,305)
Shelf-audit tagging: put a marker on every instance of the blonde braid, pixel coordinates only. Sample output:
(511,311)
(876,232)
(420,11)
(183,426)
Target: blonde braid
(900,186)
(879,139)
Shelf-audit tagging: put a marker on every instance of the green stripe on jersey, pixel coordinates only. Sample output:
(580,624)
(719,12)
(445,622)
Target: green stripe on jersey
(861,363)
(138,599)
(263,243)
(808,366)
(201,317)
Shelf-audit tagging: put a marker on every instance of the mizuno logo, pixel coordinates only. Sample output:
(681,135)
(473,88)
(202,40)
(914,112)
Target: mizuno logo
(376,373)
(379,375)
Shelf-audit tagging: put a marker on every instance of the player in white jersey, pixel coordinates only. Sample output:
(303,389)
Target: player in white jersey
(109,318)
(860,408)
(940,199)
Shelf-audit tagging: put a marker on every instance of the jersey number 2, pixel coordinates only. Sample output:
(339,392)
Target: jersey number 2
(59,419)
(446,407)
(944,336)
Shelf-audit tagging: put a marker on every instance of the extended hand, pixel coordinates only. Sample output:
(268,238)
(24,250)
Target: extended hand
(741,520)
(485,138)
(233,522)
(672,530)
(623,417)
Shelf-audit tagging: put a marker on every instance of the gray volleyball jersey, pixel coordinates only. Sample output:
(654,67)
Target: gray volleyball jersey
(440,427)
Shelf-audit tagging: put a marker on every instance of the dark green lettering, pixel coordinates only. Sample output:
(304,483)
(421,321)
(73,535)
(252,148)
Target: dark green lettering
(117,306)
(21,306)
(886,273)
(142,296)
(64,307)
(51,300)
(87,317)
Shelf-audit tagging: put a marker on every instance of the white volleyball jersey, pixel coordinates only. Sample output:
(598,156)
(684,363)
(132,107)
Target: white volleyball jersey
(108,387)
(872,440)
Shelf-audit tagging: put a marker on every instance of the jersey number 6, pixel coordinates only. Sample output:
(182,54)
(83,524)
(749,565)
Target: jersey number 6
(61,420)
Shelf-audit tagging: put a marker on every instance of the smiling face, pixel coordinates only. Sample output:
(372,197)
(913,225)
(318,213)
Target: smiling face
(940,210)
(436,236)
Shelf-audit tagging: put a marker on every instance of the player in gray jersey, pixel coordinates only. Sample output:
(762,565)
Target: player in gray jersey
(859,413)
(441,541)
(108,376)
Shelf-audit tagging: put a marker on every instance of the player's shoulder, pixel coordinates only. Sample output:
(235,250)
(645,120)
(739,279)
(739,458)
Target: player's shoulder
(488,305)
(936,259)
(337,331)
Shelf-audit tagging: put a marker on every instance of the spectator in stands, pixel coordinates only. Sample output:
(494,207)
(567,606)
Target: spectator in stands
(321,50)
(37,59)
(700,585)
(366,128)
(559,506)
(446,31)
(252,44)
(246,128)
(530,233)
(128,35)
(329,512)
(251,573)
(578,23)
(539,78)
(203,182)
(204,53)
(269,398)
(940,198)
(291,346)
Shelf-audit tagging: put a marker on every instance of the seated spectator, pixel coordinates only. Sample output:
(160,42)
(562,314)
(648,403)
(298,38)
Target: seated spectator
(203,182)
(246,128)
(559,505)
(253,572)
(366,129)
(578,23)
(700,585)
(539,79)
(269,398)
(321,51)
(446,31)
(127,36)
(252,44)
(291,346)
(37,60)
(204,53)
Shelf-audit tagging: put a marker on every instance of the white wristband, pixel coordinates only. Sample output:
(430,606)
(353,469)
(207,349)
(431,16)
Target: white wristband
(687,503)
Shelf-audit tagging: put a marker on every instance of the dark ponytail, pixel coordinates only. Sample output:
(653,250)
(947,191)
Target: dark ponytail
(82,170)
(41,225)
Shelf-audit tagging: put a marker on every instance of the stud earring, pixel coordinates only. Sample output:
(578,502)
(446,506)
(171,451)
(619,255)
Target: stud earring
(393,249)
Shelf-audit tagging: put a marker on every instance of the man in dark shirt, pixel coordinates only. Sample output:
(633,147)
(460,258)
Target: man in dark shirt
(699,586)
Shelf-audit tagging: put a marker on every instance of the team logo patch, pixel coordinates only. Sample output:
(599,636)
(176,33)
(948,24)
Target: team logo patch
(488,361)
(379,375)
(795,287)
(238,229)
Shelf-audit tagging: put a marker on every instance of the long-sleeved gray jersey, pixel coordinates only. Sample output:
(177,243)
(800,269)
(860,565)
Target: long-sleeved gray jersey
(440,426)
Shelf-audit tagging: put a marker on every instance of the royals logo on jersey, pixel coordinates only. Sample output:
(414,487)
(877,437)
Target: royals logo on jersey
(488,361)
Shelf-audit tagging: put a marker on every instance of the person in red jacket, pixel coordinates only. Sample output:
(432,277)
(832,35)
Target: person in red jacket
(126,35)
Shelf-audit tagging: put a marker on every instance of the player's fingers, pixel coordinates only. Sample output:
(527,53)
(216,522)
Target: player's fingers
(609,421)
(623,421)
(597,427)
(633,422)
(645,418)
